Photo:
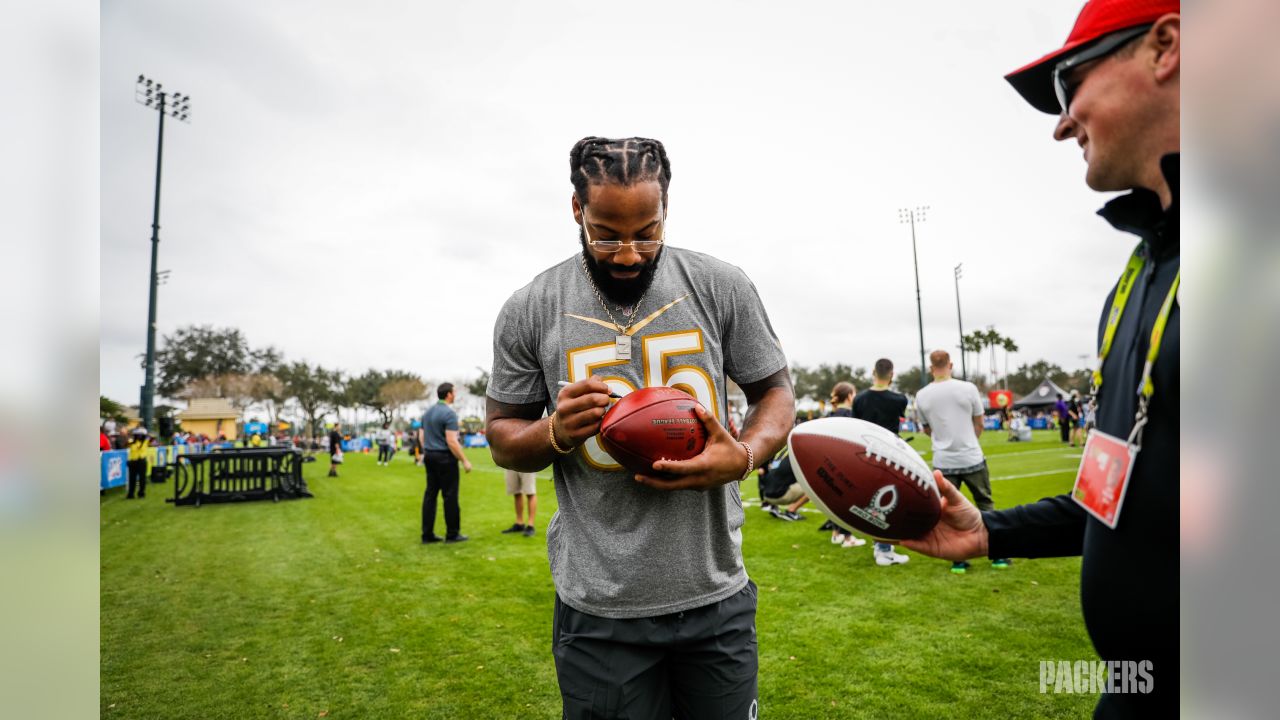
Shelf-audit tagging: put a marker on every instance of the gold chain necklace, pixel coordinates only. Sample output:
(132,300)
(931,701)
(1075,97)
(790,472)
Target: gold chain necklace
(622,341)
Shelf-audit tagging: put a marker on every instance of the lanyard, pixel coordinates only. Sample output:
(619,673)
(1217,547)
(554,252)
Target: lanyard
(1118,303)
(1123,288)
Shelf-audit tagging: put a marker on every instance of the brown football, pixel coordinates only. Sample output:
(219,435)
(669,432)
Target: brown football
(650,424)
(865,478)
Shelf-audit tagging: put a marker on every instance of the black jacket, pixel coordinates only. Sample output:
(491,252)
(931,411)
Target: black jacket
(1129,576)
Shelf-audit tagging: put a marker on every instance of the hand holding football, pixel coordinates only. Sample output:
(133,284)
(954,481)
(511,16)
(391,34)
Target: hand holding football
(865,478)
(651,424)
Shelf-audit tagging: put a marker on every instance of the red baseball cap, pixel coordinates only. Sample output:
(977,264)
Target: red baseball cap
(1098,18)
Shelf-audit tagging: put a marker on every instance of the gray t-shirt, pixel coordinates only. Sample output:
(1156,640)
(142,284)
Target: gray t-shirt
(948,407)
(619,549)
(435,421)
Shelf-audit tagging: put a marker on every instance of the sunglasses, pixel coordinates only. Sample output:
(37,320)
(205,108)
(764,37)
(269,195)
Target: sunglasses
(1062,86)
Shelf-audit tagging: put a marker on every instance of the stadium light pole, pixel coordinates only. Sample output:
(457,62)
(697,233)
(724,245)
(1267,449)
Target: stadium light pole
(151,94)
(964,372)
(910,217)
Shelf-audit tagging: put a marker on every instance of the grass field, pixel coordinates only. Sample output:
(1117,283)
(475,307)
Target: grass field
(330,607)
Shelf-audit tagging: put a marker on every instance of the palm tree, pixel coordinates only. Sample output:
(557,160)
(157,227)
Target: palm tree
(1009,347)
(974,342)
(990,339)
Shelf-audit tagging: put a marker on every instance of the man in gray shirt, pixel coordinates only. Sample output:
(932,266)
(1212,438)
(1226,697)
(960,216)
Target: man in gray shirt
(654,612)
(439,435)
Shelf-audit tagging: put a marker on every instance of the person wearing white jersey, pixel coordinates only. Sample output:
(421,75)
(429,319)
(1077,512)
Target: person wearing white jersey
(951,411)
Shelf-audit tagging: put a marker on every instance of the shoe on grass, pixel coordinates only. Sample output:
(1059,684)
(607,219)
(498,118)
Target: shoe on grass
(793,516)
(456,539)
(1001,564)
(959,568)
(529,531)
(515,528)
(431,539)
(853,541)
(890,558)
(837,538)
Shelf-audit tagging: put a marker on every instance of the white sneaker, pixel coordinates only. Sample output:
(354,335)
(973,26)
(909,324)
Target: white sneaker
(853,542)
(890,558)
(836,538)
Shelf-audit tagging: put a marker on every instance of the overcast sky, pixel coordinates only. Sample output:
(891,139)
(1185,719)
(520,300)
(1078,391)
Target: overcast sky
(363,185)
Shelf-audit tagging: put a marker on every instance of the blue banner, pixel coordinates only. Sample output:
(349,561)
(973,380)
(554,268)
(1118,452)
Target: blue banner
(475,440)
(114,471)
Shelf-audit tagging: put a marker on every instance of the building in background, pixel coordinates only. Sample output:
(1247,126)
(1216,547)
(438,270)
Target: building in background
(210,416)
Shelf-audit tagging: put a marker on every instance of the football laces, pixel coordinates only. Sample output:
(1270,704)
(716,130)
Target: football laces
(876,451)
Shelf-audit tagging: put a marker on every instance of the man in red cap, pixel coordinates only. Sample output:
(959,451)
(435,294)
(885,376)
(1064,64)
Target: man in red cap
(1114,86)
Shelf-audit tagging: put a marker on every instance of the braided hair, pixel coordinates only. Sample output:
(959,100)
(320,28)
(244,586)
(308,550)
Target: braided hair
(597,160)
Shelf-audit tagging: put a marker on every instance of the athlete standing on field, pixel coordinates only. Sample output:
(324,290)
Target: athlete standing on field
(654,613)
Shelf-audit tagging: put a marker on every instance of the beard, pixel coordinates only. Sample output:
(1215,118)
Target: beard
(624,292)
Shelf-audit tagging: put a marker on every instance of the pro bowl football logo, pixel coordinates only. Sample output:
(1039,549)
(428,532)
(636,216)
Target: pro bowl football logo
(877,511)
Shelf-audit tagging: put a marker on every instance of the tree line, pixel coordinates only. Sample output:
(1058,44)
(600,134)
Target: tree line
(815,382)
(203,361)
(200,361)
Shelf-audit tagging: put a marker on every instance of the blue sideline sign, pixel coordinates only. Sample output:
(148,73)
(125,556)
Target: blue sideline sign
(115,472)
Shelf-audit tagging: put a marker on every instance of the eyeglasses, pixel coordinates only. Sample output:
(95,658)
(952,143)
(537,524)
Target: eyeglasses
(613,246)
(1062,85)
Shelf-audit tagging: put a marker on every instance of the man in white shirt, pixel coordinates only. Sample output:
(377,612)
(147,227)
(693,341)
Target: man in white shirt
(386,443)
(951,411)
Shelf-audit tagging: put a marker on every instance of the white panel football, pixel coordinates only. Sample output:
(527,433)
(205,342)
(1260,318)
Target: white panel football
(865,478)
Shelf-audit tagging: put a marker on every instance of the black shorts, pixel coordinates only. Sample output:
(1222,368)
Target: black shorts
(700,663)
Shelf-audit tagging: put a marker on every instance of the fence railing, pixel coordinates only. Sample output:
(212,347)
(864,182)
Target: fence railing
(238,474)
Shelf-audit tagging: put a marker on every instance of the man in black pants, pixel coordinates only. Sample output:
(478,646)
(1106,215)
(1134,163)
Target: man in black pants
(386,444)
(335,449)
(1114,88)
(139,444)
(885,408)
(439,436)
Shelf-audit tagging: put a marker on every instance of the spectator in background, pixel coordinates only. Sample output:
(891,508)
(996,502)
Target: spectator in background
(952,414)
(1064,419)
(415,445)
(439,435)
(779,488)
(335,449)
(842,406)
(139,445)
(104,441)
(1076,411)
(885,408)
(385,440)
(523,486)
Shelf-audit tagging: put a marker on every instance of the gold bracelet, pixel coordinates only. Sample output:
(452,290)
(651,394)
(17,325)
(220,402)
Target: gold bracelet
(751,461)
(551,434)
